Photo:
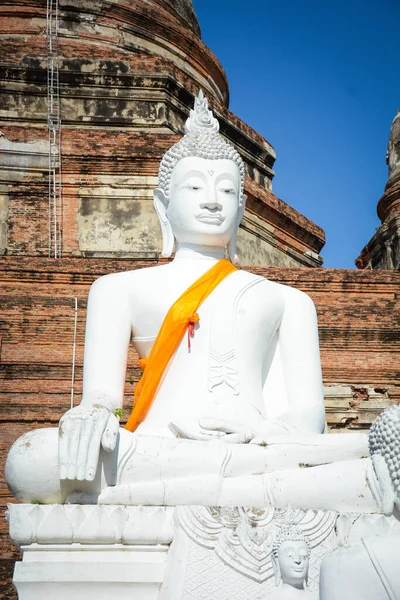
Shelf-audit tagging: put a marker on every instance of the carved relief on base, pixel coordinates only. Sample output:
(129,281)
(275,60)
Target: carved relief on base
(229,550)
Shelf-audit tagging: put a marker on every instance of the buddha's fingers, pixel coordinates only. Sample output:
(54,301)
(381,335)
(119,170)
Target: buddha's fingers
(223,425)
(110,435)
(191,432)
(84,441)
(73,448)
(98,426)
(63,443)
(239,438)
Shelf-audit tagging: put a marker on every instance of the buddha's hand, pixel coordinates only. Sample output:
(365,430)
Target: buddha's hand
(232,432)
(209,429)
(81,432)
(272,428)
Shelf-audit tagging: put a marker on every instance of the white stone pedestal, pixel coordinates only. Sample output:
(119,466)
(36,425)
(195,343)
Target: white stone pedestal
(77,552)
(82,573)
(104,552)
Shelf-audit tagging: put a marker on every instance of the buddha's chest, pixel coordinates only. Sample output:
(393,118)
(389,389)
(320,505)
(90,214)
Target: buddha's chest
(240,316)
(220,374)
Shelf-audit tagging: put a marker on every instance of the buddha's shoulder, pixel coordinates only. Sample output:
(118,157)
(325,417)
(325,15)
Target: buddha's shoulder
(287,293)
(126,280)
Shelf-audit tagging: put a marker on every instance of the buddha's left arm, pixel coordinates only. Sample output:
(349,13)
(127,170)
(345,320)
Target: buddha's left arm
(301,362)
(294,385)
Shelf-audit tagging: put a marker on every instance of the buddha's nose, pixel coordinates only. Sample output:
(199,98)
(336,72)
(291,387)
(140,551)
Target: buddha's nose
(211,204)
(211,201)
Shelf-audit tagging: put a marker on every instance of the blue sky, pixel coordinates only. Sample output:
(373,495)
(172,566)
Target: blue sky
(320,81)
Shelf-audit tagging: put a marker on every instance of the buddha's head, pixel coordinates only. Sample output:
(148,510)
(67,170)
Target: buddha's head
(291,557)
(384,447)
(200,197)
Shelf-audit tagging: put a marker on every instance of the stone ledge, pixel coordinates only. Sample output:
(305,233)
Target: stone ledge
(89,524)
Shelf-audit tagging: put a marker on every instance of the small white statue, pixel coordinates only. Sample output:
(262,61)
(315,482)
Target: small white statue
(290,560)
(370,569)
(246,367)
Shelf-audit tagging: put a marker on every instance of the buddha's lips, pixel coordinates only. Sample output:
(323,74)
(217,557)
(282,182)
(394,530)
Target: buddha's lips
(298,570)
(210,218)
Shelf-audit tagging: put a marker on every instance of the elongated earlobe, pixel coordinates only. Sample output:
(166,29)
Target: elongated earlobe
(161,205)
(386,492)
(232,242)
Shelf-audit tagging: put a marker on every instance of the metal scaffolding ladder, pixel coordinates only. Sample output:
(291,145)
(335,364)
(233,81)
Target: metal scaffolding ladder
(54,127)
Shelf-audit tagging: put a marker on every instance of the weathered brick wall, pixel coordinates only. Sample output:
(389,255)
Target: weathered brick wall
(128,75)
(359,324)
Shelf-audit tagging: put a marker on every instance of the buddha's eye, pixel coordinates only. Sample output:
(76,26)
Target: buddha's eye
(227,190)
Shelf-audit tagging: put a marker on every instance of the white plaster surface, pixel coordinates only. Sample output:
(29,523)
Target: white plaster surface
(90,552)
(64,572)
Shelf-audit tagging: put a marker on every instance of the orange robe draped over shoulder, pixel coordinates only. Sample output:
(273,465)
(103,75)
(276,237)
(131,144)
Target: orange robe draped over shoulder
(180,319)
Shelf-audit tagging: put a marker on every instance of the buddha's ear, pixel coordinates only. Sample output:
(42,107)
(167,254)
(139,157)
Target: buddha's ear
(161,205)
(386,492)
(232,242)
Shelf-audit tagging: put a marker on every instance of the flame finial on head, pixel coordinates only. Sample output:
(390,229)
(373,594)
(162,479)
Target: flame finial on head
(201,118)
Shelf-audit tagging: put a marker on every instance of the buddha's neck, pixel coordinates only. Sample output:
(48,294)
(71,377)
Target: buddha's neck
(196,253)
(291,587)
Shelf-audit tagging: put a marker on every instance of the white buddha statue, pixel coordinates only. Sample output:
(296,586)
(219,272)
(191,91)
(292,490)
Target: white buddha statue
(290,560)
(247,370)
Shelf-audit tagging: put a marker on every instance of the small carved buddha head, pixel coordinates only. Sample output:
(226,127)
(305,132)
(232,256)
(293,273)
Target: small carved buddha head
(291,557)
(384,447)
(200,197)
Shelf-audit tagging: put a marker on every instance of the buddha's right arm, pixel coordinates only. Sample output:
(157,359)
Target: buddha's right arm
(108,332)
(91,424)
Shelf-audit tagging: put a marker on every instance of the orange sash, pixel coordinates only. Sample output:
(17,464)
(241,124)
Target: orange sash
(180,318)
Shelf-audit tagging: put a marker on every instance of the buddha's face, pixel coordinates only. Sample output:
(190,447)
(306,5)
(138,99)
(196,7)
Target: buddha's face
(204,201)
(293,562)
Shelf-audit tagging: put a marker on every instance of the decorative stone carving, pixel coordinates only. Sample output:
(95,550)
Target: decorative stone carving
(89,524)
(238,544)
(243,538)
(223,369)
(290,559)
